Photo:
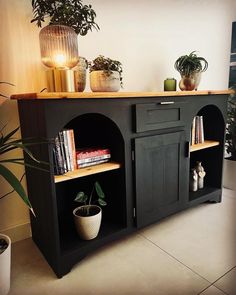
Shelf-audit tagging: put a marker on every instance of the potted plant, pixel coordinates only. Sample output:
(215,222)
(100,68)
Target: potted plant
(105,74)
(88,217)
(190,68)
(8,143)
(230,162)
(73,14)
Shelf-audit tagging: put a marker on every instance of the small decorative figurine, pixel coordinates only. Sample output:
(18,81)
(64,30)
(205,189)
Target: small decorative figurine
(201,174)
(193,180)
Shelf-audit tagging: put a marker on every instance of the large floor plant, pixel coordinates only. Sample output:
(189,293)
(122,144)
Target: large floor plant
(230,160)
(8,143)
(231,126)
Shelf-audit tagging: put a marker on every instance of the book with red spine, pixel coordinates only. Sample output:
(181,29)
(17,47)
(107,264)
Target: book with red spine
(91,152)
(93,159)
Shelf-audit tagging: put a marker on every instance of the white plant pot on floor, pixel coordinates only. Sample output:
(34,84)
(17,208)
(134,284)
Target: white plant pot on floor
(87,226)
(229,177)
(100,81)
(5,267)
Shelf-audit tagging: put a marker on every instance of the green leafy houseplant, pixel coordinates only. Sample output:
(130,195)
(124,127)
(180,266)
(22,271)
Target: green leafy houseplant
(231,126)
(8,143)
(71,13)
(81,197)
(107,65)
(187,65)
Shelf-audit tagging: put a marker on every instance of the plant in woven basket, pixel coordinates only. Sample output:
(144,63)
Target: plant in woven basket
(71,13)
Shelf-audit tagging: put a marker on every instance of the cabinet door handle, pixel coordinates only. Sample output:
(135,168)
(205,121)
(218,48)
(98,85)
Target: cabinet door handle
(166,102)
(187,149)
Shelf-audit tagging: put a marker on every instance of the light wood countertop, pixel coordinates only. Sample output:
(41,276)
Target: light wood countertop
(105,95)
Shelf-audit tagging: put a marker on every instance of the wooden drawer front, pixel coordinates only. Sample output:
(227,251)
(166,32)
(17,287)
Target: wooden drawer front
(151,116)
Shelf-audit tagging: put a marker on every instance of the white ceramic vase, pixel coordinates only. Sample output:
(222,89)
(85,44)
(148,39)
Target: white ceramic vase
(5,267)
(87,226)
(100,81)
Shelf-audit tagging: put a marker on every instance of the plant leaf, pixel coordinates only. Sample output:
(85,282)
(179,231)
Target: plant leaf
(99,190)
(81,197)
(102,202)
(17,186)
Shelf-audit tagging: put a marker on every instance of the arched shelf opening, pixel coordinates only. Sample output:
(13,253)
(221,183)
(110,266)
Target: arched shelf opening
(94,130)
(210,152)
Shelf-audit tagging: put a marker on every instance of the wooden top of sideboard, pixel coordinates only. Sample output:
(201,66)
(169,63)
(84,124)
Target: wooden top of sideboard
(104,95)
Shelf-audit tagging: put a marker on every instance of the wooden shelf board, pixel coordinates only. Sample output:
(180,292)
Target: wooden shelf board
(87,171)
(205,145)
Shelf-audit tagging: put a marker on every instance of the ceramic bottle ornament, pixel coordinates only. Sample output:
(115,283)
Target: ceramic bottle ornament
(193,180)
(201,174)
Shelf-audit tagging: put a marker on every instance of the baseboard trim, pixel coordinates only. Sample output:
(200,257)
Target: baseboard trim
(18,232)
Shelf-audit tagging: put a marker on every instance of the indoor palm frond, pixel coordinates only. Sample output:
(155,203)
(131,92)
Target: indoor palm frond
(9,143)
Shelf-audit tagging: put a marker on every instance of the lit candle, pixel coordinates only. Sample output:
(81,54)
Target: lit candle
(59,60)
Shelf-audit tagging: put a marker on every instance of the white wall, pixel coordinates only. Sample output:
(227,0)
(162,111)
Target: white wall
(146,36)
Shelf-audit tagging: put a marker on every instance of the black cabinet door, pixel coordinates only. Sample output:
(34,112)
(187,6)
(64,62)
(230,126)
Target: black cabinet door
(161,176)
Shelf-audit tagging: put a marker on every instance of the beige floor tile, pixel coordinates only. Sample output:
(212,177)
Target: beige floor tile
(131,266)
(212,291)
(229,193)
(203,238)
(228,282)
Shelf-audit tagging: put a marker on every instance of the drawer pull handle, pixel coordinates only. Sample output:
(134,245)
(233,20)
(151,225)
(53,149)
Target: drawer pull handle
(166,102)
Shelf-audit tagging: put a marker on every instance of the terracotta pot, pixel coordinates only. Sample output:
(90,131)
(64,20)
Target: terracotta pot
(5,267)
(100,81)
(187,83)
(191,82)
(87,226)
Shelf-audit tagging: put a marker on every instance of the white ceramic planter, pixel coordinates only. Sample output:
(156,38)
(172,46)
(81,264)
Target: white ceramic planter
(229,177)
(5,267)
(87,226)
(101,82)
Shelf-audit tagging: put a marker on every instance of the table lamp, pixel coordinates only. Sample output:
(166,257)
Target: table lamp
(59,52)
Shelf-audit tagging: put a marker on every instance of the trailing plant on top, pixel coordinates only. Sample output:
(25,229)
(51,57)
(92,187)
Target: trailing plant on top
(71,13)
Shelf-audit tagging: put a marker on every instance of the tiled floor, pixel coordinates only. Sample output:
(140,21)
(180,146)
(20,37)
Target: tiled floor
(192,252)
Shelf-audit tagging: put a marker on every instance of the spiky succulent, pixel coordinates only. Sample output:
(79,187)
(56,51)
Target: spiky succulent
(187,65)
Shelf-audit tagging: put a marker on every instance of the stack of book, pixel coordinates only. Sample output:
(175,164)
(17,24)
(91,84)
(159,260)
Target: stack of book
(92,156)
(64,153)
(197,130)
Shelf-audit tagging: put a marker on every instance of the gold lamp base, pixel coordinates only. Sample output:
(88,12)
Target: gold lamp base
(60,80)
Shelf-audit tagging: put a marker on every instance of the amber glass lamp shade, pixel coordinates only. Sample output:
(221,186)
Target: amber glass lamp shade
(59,47)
